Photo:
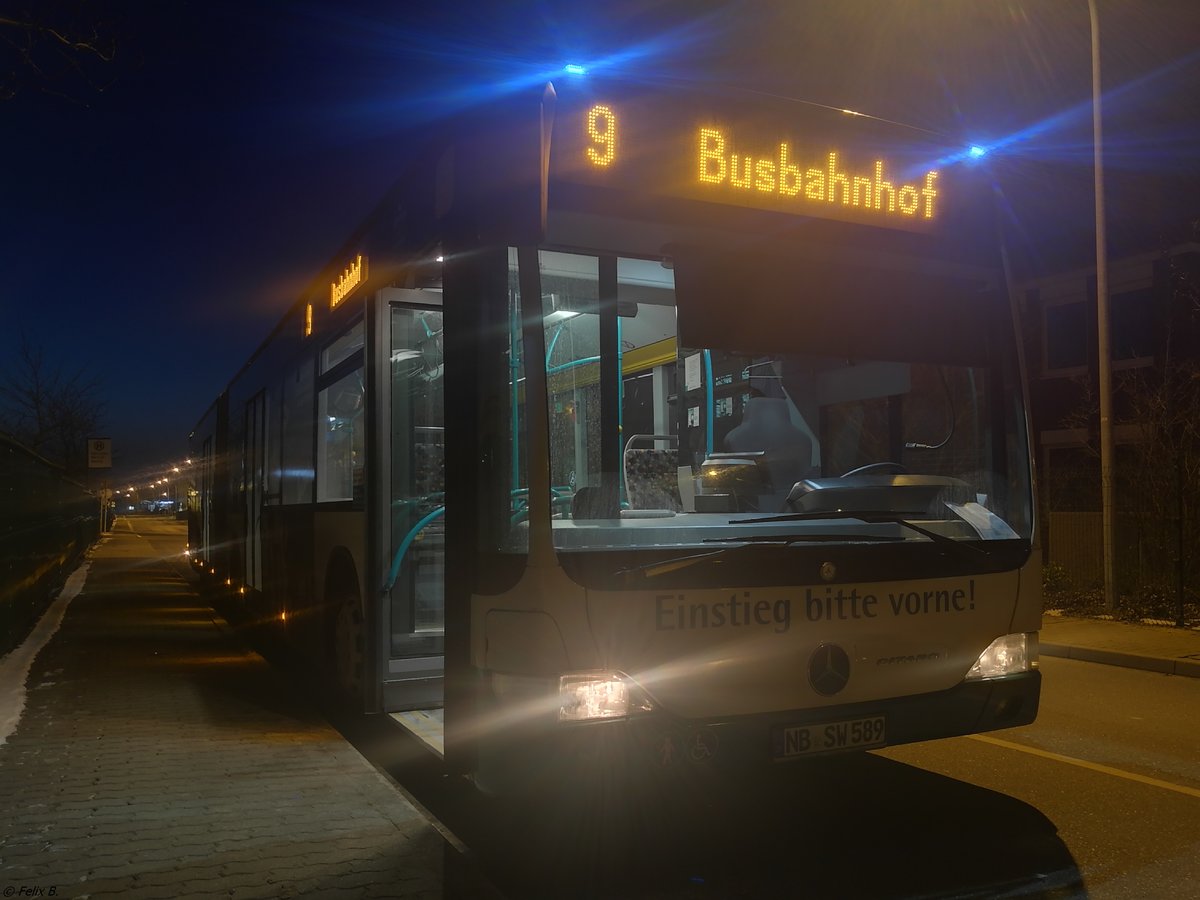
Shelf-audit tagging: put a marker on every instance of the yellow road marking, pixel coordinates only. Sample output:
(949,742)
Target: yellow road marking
(1084,764)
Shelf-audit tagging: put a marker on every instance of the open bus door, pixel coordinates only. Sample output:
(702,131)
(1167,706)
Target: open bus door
(412,505)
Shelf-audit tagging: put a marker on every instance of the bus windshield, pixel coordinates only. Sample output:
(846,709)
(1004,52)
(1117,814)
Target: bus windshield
(749,443)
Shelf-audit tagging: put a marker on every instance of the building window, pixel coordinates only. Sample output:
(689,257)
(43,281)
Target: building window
(1066,336)
(1131,325)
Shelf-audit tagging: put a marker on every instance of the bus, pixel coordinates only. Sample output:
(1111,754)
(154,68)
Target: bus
(651,427)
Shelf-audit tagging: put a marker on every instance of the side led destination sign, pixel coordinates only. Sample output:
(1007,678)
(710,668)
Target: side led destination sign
(805,165)
(353,275)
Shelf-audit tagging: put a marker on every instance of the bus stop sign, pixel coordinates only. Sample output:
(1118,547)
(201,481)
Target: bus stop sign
(99,453)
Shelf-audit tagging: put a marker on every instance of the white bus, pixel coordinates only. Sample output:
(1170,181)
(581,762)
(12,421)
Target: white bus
(648,429)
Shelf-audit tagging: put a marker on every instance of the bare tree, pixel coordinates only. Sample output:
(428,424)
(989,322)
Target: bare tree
(1158,490)
(63,49)
(51,410)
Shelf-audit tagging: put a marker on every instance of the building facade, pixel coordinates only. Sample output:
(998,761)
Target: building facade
(1154,310)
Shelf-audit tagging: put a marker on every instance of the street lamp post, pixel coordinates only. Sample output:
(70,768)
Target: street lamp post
(1102,327)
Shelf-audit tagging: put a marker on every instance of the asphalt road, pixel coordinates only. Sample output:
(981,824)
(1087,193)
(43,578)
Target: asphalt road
(1113,761)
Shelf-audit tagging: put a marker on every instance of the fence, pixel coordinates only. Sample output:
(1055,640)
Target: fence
(1157,578)
(47,522)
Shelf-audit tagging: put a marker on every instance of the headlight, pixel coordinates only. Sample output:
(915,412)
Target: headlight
(1006,655)
(591,696)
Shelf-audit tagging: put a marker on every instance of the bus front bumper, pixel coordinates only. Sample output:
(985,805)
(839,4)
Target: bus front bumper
(659,741)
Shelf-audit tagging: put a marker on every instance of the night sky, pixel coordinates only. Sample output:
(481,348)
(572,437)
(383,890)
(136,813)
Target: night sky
(162,211)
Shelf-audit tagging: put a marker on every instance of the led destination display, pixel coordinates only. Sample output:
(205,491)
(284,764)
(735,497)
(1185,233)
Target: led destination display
(841,169)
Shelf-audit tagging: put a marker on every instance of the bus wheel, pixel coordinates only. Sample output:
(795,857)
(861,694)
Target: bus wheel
(348,651)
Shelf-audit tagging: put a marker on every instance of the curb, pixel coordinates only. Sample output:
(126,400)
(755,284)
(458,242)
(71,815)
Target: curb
(1189,668)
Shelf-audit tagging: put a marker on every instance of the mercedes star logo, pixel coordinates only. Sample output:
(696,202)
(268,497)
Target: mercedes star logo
(829,669)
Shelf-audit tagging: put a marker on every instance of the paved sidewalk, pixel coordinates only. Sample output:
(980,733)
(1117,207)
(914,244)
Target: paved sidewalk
(1157,648)
(157,756)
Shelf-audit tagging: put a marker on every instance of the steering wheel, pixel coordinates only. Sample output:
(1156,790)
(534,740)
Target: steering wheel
(899,467)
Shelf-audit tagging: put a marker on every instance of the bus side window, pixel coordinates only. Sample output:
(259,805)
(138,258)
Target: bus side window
(340,455)
(341,425)
(297,443)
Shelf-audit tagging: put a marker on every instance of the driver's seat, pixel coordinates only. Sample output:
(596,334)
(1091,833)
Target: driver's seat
(767,426)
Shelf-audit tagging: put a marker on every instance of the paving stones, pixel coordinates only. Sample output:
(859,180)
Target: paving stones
(158,756)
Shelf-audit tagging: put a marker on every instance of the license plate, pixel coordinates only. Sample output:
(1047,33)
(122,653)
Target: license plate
(791,741)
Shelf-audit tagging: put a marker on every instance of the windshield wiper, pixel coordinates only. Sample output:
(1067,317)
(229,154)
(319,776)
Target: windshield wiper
(816,537)
(654,569)
(871,517)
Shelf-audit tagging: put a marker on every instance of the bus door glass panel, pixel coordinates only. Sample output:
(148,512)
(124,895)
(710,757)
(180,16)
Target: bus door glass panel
(416,575)
(254,475)
(505,529)
(644,354)
(648,353)
(341,429)
(570,301)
